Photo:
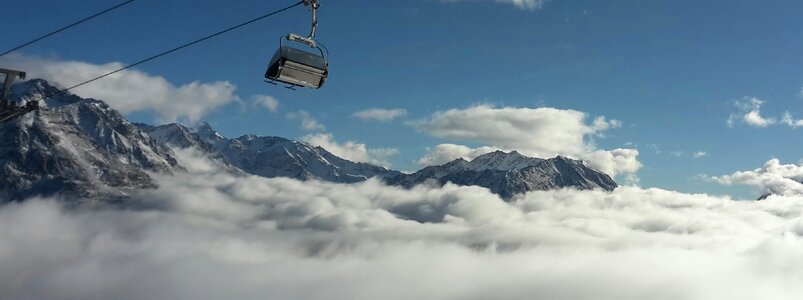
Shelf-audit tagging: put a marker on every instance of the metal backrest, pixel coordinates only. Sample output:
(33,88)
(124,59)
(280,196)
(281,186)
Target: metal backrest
(297,67)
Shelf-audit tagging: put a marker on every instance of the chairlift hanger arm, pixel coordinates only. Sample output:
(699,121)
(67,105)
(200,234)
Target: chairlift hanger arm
(314,5)
(310,39)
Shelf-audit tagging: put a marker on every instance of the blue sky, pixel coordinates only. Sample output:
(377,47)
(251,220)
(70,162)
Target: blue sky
(670,71)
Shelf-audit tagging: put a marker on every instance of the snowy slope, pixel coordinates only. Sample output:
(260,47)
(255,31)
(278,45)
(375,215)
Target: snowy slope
(508,174)
(77,147)
(502,161)
(84,149)
(269,156)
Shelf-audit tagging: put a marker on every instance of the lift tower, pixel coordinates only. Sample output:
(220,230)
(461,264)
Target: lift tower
(9,110)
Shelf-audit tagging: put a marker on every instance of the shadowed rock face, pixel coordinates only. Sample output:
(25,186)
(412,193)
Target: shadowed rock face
(508,174)
(77,147)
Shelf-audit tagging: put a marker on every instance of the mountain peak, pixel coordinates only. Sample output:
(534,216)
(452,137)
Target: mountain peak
(208,134)
(205,126)
(269,156)
(75,146)
(562,158)
(510,173)
(502,161)
(32,86)
(38,89)
(83,147)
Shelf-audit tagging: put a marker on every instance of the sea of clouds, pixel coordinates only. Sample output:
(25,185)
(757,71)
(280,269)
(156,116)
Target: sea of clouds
(207,234)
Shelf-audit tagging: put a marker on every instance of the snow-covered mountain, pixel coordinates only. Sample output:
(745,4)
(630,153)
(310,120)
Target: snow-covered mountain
(77,147)
(270,156)
(84,149)
(511,173)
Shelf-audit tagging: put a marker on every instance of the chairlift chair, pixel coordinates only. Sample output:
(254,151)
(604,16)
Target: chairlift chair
(296,67)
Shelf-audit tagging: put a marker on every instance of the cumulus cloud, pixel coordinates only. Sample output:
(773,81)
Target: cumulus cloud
(538,132)
(351,150)
(700,154)
(523,4)
(131,90)
(308,123)
(210,235)
(750,113)
(788,120)
(379,114)
(754,118)
(445,153)
(543,132)
(773,177)
(613,162)
(268,102)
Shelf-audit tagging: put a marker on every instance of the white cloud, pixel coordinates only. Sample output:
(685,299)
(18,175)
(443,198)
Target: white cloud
(543,132)
(773,178)
(700,154)
(131,90)
(538,132)
(632,180)
(613,162)
(379,114)
(308,123)
(750,113)
(790,121)
(445,153)
(268,102)
(351,150)
(209,235)
(754,118)
(529,4)
(523,4)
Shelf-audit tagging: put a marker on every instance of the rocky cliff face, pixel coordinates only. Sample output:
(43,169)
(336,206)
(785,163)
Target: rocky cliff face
(74,146)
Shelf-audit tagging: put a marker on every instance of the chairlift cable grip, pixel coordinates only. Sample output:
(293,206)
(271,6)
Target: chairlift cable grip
(310,39)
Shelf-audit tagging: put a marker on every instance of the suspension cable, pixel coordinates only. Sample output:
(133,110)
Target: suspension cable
(170,51)
(67,27)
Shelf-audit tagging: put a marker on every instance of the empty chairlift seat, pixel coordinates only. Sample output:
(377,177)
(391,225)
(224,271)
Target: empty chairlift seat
(297,67)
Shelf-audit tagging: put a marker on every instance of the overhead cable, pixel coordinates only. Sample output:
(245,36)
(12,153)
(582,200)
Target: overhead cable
(67,27)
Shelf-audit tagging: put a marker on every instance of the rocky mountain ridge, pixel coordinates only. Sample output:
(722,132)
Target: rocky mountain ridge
(87,150)
(508,174)
(75,146)
(269,156)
